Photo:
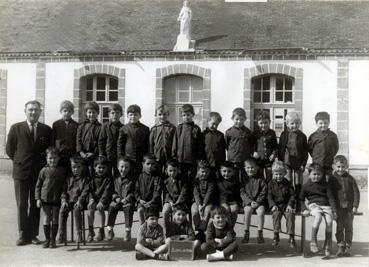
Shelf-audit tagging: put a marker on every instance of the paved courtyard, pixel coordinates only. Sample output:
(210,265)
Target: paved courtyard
(118,253)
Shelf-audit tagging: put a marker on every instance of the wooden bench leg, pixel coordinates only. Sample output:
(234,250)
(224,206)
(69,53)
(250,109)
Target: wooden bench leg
(302,245)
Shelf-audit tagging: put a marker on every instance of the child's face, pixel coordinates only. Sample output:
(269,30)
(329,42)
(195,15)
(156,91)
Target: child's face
(322,125)
(213,124)
(340,168)
(152,221)
(238,121)
(66,114)
(251,169)
(179,217)
(149,166)
(123,168)
(278,175)
(293,126)
(219,220)
(77,168)
(203,173)
(315,176)
(172,172)
(52,160)
(264,125)
(133,117)
(227,173)
(114,115)
(91,115)
(100,169)
(162,116)
(187,117)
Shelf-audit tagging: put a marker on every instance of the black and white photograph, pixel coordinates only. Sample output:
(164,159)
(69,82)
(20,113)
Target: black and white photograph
(184,132)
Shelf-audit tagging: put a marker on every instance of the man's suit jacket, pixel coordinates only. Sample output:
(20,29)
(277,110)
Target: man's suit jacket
(28,156)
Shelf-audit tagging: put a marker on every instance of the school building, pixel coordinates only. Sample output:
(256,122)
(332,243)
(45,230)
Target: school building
(306,56)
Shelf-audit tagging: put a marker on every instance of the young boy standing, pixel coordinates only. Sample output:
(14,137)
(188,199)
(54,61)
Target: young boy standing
(148,188)
(323,143)
(64,132)
(321,205)
(161,137)
(254,195)
(133,139)
(347,199)
(266,145)
(109,136)
(281,198)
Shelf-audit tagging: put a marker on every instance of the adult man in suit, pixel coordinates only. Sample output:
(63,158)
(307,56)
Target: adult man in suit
(26,145)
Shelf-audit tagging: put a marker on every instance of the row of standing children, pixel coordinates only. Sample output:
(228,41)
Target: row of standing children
(187,144)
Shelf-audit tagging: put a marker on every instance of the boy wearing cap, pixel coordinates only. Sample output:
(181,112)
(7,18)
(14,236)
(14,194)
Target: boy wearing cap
(64,132)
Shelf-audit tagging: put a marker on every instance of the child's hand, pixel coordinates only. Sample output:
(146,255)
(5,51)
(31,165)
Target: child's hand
(148,240)
(38,203)
(89,155)
(275,208)
(254,205)
(305,213)
(64,205)
(171,204)
(83,154)
(124,201)
(117,199)
(217,240)
(289,209)
(90,204)
(256,155)
(334,215)
(354,210)
(100,206)
(272,157)
(77,206)
(142,202)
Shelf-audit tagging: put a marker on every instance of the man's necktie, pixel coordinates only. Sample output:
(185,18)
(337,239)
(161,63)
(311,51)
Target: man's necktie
(33,132)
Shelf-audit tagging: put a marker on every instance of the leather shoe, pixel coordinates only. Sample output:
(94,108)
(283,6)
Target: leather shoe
(35,241)
(21,242)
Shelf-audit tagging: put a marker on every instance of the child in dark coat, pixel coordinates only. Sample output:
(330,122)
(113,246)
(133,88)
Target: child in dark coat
(148,188)
(64,133)
(281,198)
(123,198)
(99,197)
(74,198)
(50,184)
(254,195)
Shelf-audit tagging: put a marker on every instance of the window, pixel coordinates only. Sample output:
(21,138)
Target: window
(104,90)
(274,94)
(183,89)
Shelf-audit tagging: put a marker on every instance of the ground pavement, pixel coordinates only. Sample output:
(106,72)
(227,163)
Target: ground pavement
(118,253)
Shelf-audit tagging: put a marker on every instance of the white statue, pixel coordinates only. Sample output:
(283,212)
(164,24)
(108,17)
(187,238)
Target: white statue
(185,17)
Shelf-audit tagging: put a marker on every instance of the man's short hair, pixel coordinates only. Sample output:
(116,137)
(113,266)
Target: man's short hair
(323,115)
(33,102)
(239,112)
(134,109)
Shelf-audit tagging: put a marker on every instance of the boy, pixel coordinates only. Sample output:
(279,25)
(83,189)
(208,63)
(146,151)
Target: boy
(203,196)
(150,238)
(109,136)
(88,134)
(99,198)
(64,132)
(266,145)
(293,151)
(187,147)
(175,192)
(133,139)
(161,137)
(323,144)
(148,188)
(238,140)
(321,204)
(214,143)
(229,190)
(220,238)
(253,194)
(281,198)
(347,199)
(123,197)
(74,198)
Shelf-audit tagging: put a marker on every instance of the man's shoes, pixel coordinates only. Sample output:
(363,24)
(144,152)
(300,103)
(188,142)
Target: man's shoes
(35,241)
(21,242)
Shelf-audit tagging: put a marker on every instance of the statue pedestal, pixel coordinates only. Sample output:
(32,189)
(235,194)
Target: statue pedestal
(184,43)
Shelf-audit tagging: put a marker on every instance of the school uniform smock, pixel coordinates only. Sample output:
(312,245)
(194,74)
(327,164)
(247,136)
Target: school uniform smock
(319,193)
(124,188)
(253,189)
(187,143)
(226,233)
(77,189)
(281,194)
(345,190)
(50,184)
(161,141)
(64,134)
(265,144)
(133,141)
(293,149)
(175,191)
(229,190)
(156,233)
(108,140)
(100,189)
(149,189)
(239,144)
(203,192)
(214,147)
(87,137)
(323,146)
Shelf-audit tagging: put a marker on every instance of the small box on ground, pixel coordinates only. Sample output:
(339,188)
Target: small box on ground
(181,250)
